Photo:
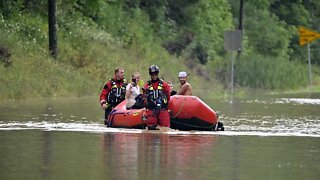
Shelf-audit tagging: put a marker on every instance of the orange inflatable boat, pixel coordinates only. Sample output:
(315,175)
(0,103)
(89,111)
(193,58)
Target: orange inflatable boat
(187,113)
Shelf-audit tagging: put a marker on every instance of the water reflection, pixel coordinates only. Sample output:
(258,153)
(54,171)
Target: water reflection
(47,154)
(70,142)
(34,154)
(155,155)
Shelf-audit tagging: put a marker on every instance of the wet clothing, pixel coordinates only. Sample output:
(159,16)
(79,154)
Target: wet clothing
(135,91)
(112,94)
(157,94)
(155,117)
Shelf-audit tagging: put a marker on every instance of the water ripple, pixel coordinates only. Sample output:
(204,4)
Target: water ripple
(298,101)
(278,128)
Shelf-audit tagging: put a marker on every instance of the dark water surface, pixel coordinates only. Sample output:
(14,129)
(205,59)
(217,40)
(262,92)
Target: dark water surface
(273,137)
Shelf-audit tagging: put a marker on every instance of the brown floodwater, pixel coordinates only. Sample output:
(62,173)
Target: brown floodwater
(266,137)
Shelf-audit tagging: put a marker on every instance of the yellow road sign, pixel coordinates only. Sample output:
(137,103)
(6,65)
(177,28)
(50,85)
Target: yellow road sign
(307,35)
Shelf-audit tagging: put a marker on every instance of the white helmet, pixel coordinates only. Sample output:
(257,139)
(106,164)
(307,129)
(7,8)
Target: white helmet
(182,74)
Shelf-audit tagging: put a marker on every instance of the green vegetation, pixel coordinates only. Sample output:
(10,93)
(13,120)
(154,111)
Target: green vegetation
(95,36)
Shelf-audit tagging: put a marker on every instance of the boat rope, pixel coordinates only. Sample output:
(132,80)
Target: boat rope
(112,114)
(178,113)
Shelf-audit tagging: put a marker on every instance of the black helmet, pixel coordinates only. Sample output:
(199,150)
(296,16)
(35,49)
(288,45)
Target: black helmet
(154,69)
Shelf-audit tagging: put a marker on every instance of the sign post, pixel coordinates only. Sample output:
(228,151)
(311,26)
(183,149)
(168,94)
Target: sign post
(52,23)
(306,36)
(232,42)
(309,65)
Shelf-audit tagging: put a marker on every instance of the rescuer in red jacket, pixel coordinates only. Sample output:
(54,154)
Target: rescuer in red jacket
(113,92)
(157,95)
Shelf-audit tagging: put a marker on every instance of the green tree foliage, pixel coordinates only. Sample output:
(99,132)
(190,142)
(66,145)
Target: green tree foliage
(299,13)
(94,36)
(210,20)
(267,35)
(270,33)
(198,27)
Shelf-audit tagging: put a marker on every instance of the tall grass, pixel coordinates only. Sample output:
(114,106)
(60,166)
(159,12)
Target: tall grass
(270,73)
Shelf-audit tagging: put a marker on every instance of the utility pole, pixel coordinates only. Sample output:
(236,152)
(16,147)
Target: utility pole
(240,15)
(52,22)
(240,27)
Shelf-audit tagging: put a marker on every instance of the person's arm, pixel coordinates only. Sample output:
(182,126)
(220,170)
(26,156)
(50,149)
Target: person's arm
(184,88)
(144,96)
(181,90)
(144,88)
(167,90)
(128,91)
(188,90)
(104,93)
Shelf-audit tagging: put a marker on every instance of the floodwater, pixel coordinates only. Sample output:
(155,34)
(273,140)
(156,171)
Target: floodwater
(266,137)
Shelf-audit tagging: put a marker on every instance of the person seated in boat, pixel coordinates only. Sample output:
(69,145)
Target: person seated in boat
(133,92)
(185,87)
(172,92)
(113,92)
(157,95)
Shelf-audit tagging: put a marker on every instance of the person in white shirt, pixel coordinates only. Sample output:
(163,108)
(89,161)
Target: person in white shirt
(132,92)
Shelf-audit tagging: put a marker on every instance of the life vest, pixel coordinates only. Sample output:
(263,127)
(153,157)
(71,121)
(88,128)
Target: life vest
(117,93)
(156,99)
